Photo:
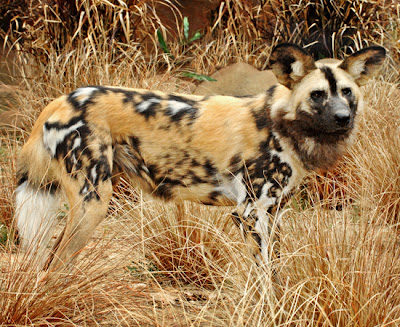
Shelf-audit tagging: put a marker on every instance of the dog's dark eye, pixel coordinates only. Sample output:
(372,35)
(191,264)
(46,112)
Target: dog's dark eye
(346,91)
(316,95)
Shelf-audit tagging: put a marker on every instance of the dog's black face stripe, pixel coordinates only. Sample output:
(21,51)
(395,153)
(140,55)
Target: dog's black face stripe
(331,79)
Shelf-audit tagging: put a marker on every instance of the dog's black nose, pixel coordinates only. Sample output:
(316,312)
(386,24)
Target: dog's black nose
(342,118)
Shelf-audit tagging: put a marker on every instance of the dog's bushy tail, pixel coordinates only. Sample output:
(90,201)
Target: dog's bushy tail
(36,214)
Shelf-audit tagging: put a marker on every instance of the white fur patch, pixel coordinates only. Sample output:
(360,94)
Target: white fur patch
(145,169)
(278,105)
(177,106)
(309,145)
(52,137)
(83,94)
(77,143)
(357,68)
(298,68)
(143,106)
(35,216)
(234,189)
(248,210)
(264,199)
(94,174)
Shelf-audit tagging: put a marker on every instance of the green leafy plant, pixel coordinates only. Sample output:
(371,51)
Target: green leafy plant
(185,41)
(163,43)
(198,77)
(196,36)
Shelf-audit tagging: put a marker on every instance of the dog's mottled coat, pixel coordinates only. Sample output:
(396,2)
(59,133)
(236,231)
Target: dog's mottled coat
(218,150)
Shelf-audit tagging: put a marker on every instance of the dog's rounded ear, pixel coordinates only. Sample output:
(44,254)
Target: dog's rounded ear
(364,64)
(290,63)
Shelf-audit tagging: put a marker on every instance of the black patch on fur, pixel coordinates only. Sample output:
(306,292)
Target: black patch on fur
(73,101)
(195,179)
(65,150)
(209,168)
(256,166)
(353,105)
(236,218)
(135,142)
(261,114)
(235,164)
(267,167)
(164,187)
(82,105)
(331,79)
(152,109)
(213,196)
(257,239)
(103,173)
(128,94)
(286,62)
(352,101)
(153,170)
(317,105)
(88,195)
(190,110)
(248,229)
(271,91)
(51,187)
(103,170)
(195,163)
(22,179)
(273,143)
(59,126)
(261,118)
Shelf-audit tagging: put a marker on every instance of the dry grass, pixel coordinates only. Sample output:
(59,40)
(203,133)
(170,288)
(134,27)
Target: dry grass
(376,152)
(155,264)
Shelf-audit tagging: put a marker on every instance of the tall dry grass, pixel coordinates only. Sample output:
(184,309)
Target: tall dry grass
(376,153)
(155,264)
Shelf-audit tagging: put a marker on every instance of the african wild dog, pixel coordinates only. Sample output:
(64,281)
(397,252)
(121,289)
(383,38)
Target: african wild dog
(219,150)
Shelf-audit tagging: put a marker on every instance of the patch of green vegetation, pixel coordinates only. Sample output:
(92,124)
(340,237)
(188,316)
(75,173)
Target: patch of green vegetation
(3,234)
(198,77)
(185,41)
(301,200)
(64,209)
(186,38)
(143,270)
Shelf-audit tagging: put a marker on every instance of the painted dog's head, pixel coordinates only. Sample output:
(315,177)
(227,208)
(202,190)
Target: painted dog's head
(325,97)
(317,108)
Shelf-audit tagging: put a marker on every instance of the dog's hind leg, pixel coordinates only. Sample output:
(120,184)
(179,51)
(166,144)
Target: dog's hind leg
(88,191)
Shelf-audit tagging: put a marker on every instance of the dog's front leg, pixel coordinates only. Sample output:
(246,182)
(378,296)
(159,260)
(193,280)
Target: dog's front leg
(260,225)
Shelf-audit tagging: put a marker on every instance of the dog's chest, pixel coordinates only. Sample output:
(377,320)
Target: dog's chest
(267,176)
